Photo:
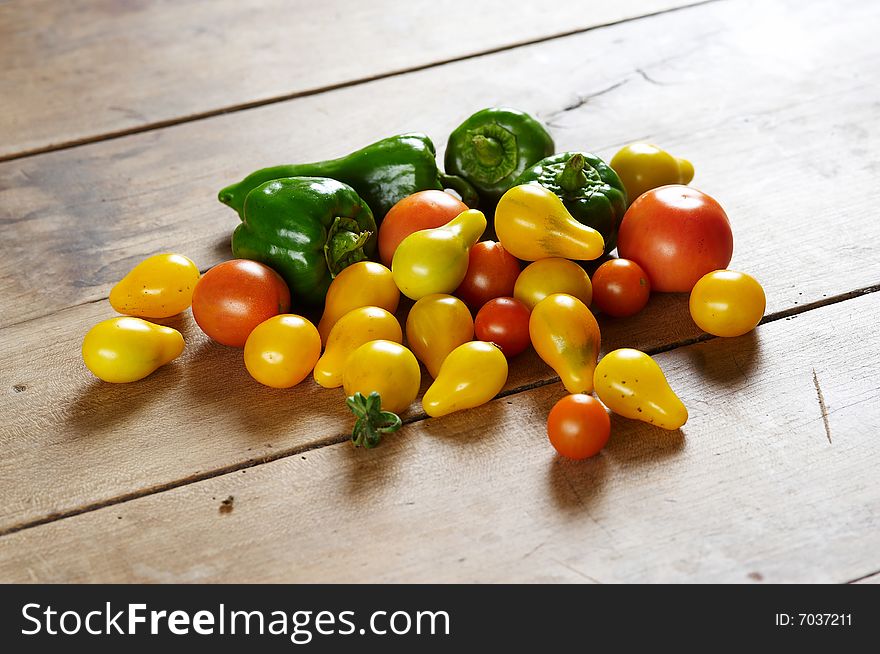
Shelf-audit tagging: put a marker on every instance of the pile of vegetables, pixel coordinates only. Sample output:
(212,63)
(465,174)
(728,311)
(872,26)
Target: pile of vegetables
(348,236)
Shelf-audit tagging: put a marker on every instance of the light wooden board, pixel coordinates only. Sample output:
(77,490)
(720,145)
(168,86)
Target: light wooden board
(203,414)
(750,489)
(79,70)
(806,122)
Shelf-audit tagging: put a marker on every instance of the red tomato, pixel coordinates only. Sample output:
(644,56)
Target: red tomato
(491,273)
(676,234)
(505,322)
(235,296)
(578,426)
(422,210)
(620,288)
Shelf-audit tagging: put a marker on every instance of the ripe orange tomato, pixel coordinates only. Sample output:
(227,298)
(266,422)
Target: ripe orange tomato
(676,234)
(504,321)
(620,288)
(491,273)
(422,210)
(233,297)
(578,426)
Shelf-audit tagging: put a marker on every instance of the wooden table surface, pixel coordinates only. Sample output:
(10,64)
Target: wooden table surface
(119,121)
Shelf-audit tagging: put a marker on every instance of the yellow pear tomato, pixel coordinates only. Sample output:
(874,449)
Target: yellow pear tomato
(158,287)
(436,260)
(566,336)
(436,325)
(632,385)
(471,375)
(355,328)
(127,349)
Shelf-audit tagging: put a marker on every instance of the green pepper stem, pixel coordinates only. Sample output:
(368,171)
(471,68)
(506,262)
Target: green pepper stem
(572,178)
(461,186)
(345,245)
(371,422)
(489,151)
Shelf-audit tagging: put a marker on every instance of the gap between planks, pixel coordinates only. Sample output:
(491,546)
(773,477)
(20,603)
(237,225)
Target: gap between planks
(335,440)
(244,106)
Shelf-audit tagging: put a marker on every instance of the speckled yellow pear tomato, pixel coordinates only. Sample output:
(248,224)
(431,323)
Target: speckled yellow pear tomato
(160,286)
(632,385)
(280,352)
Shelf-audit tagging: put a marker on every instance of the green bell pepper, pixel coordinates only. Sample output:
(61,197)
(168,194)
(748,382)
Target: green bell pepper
(588,187)
(382,174)
(493,147)
(308,229)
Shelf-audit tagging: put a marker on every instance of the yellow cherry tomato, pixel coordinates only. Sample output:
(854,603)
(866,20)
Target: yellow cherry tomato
(471,375)
(126,349)
(436,325)
(281,351)
(548,276)
(566,336)
(355,328)
(727,303)
(386,368)
(436,260)
(631,384)
(158,287)
(642,166)
(363,284)
(532,223)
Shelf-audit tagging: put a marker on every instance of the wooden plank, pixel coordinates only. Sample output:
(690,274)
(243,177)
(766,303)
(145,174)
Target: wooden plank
(753,488)
(70,442)
(89,214)
(76,71)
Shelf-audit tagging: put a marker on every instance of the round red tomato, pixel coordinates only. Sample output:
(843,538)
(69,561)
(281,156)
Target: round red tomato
(422,210)
(505,322)
(491,273)
(578,426)
(676,234)
(620,288)
(235,296)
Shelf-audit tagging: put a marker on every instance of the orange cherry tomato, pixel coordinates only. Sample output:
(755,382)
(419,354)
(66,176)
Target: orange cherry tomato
(578,426)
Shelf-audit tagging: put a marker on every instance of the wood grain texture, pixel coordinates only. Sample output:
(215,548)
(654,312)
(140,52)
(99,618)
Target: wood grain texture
(79,70)
(198,416)
(98,443)
(749,490)
(804,123)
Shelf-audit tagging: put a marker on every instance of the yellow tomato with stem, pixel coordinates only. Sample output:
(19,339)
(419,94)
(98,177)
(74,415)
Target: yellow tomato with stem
(727,303)
(435,326)
(280,352)
(632,385)
(566,336)
(160,286)
(553,275)
(355,328)
(362,284)
(471,375)
(386,368)
(127,349)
